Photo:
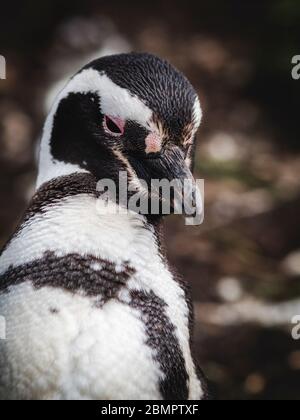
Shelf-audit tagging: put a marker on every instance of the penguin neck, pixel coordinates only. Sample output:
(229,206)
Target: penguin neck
(76,184)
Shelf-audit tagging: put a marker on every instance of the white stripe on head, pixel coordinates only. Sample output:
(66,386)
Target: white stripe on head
(114,101)
(197,114)
(196,121)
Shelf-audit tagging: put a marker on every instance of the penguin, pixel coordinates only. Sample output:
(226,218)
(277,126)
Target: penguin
(93,310)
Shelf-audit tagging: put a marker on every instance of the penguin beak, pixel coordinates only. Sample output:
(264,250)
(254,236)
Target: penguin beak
(189,197)
(186,197)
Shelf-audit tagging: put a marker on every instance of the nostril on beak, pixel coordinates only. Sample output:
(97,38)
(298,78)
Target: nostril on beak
(153,143)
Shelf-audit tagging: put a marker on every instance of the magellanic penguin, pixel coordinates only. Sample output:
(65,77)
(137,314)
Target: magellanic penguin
(92,309)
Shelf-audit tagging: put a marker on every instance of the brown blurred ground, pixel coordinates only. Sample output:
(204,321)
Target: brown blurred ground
(244,261)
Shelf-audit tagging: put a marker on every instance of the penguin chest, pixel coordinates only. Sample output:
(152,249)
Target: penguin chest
(93,313)
(62,346)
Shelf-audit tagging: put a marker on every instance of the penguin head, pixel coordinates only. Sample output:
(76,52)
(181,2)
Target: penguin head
(129,112)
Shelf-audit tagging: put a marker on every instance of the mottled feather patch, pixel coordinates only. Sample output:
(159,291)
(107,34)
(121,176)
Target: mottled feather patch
(54,311)
(73,273)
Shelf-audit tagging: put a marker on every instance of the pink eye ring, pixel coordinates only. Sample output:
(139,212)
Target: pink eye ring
(113,125)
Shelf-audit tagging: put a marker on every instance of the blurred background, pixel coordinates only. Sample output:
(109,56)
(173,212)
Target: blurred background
(244,261)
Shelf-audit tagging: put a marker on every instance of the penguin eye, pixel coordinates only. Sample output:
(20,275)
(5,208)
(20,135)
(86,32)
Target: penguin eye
(113,125)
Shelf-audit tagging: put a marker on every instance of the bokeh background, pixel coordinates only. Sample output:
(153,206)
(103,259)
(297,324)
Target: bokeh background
(244,261)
